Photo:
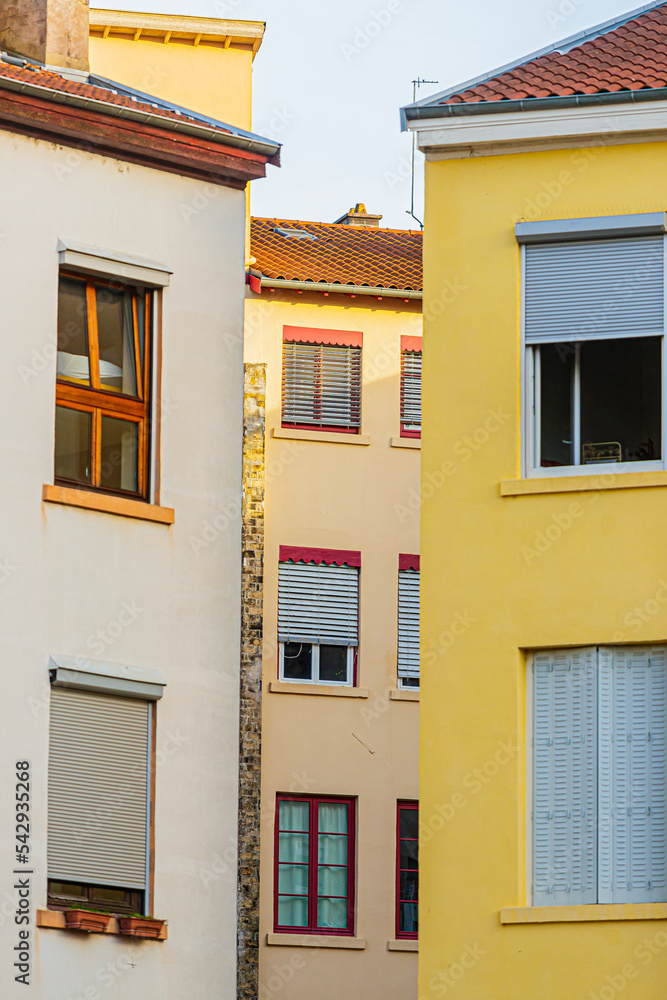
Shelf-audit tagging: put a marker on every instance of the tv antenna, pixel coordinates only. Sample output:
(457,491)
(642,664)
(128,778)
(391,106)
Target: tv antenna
(416,84)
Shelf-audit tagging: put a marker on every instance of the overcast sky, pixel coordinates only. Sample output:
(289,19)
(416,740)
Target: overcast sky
(331,75)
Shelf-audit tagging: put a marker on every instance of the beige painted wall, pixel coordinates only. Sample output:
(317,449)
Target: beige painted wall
(67,573)
(342,496)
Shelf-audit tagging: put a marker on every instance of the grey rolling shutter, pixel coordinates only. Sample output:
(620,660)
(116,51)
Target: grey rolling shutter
(98,789)
(318,603)
(411,390)
(322,385)
(633,775)
(594,289)
(408,623)
(564,777)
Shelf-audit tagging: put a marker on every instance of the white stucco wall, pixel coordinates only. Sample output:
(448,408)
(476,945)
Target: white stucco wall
(66,573)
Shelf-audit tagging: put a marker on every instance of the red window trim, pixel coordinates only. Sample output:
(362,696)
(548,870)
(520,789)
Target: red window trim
(331,557)
(314,801)
(411,344)
(315,335)
(408,561)
(403,935)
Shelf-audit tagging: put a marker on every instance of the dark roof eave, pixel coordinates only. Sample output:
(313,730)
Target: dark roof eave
(532,104)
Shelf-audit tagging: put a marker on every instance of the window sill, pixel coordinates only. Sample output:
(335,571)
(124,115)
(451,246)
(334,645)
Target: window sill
(316,941)
(581,484)
(107,504)
(56,920)
(330,690)
(399,442)
(331,437)
(403,944)
(403,694)
(588,912)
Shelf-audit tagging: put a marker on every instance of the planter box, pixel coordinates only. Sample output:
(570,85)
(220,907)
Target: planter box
(85,920)
(140,927)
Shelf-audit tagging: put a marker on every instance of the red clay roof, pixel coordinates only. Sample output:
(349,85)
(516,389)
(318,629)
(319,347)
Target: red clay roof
(630,57)
(348,255)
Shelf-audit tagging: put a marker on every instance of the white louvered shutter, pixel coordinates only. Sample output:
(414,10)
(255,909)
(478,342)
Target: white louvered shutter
(98,789)
(322,385)
(318,603)
(633,775)
(564,785)
(411,390)
(408,623)
(594,289)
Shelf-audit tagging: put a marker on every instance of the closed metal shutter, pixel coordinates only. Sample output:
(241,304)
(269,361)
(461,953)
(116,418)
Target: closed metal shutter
(322,385)
(408,623)
(594,289)
(318,603)
(98,789)
(411,390)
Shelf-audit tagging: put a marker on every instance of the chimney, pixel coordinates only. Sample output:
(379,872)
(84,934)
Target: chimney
(358,216)
(53,32)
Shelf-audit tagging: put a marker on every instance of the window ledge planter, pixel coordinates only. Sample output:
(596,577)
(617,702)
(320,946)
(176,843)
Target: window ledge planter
(87,920)
(140,927)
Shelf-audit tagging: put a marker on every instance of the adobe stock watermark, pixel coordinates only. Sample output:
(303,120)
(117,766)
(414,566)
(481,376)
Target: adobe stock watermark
(565,9)
(643,614)
(364,34)
(458,627)
(644,953)
(446,980)
(558,525)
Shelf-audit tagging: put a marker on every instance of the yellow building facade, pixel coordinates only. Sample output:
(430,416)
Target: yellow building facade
(543,573)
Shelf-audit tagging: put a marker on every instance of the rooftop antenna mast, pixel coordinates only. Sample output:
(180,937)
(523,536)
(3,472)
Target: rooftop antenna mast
(416,84)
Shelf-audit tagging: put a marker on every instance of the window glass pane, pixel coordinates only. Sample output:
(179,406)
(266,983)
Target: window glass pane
(556,386)
(408,918)
(409,854)
(410,823)
(115,330)
(333,663)
(294,815)
(120,448)
(292,911)
(621,400)
(409,885)
(298,663)
(73,444)
(293,879)
(333,817)
(293,847)
(72,336)
(113,895)
(67,889)
(332,881)
(331,912)
(332,849)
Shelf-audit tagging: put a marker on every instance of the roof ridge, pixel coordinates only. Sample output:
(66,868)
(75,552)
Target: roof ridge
(562,47)
(337,225)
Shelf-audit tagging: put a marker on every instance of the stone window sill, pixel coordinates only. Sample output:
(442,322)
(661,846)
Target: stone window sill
(403,694)
(403,944)
(56,920)
(107,504)
(332,437)
(316,941)
(399,442)
(582,484)
(329,690)
(586,913)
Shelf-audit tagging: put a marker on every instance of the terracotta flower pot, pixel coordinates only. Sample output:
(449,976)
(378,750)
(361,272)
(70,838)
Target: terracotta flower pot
(86,920)
(141,927)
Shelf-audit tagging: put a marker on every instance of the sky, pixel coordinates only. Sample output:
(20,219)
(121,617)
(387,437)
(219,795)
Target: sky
(331,76)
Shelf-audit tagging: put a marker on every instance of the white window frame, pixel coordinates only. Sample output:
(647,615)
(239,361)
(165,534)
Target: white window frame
(404,686)
(315,662)
(530,456)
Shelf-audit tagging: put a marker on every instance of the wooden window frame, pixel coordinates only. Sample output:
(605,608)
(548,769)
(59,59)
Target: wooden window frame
(401,935)
(134,899)
(101,402)
(407,431)
(314,802)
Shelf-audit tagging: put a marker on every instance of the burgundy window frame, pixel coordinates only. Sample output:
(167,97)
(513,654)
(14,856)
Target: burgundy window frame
(409,345)
(313,831)
(320,338)
(400,934)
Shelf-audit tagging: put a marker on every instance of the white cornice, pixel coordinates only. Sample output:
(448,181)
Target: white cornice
(521,131)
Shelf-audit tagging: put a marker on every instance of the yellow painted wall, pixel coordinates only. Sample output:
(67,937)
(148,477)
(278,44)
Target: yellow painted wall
(342,496)
(488,593)
(210,79)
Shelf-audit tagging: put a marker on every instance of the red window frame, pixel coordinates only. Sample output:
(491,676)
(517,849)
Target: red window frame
(409,345)
(315,801)
(401,807)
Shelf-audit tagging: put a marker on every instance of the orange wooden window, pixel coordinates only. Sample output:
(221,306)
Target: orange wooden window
(102,438)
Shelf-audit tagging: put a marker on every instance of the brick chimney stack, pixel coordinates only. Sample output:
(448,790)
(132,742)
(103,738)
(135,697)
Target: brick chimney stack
(358,216)
(53,32)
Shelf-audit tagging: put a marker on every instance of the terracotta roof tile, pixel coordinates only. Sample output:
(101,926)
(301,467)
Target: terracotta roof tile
(632,56)
(349,255)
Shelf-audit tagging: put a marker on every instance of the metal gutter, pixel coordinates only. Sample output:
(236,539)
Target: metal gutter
(414,113)
(260,146)
(324,286)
